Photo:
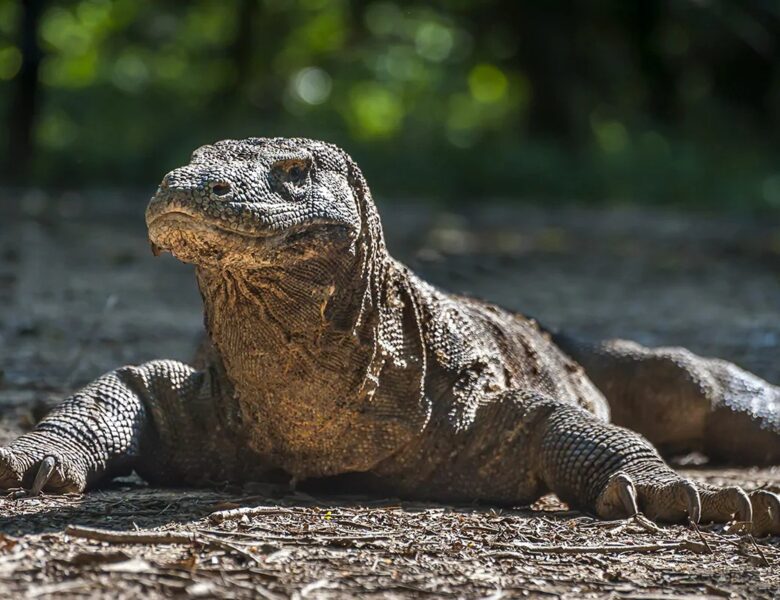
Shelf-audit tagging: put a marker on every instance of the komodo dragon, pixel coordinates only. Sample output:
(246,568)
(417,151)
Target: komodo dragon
(325,356)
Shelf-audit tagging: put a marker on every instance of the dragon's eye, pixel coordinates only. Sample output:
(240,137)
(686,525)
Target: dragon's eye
(295,174)
(291,172)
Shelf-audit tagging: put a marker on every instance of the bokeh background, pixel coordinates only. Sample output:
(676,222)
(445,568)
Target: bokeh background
(673,102)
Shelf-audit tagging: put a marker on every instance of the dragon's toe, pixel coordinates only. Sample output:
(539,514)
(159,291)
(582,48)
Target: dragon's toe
(724,504)
(11,472)
(766,513)
(40,468)
(679,500)
(673,500)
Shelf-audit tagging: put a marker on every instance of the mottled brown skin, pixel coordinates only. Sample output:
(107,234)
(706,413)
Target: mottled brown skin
(325,357)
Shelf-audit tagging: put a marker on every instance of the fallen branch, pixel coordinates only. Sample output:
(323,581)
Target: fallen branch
(685,545)
(131,537)
(155,537)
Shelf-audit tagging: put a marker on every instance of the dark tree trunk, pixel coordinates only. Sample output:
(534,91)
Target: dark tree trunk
(241,50)
(22,111)
(544,32)
(660,78)
(546,41)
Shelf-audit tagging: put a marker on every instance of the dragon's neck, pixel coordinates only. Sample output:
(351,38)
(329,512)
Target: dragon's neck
(285,310)
(307,350)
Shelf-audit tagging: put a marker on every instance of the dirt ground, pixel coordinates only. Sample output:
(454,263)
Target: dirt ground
(80,294)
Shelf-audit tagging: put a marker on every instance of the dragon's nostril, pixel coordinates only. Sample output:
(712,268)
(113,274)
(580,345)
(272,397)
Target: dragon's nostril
(220,189)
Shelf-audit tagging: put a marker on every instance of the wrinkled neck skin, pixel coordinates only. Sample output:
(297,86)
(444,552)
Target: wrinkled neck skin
(301,343)
(294,302)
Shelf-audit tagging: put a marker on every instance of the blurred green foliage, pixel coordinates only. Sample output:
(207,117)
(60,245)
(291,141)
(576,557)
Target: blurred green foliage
(662,102)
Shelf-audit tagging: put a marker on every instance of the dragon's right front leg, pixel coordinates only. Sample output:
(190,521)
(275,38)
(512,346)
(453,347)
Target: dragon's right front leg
(160,418)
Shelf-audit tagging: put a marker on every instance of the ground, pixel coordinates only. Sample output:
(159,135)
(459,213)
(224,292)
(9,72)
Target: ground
(80,294)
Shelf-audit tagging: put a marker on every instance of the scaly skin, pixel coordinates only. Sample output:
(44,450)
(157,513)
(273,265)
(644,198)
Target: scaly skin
(684,403)
(325,356)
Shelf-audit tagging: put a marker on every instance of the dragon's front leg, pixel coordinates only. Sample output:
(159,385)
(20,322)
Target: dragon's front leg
(159,418)
(615,472)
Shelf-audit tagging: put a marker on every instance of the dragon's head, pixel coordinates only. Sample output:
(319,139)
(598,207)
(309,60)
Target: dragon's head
(261,201)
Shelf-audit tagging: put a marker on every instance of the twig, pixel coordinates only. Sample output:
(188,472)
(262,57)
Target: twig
(155,537)
(238,534)
(307,536)
(223,545)
(695,527)
(645,523)
(131,537)
(684,545)
(758,549)
(718,591)
(235,514)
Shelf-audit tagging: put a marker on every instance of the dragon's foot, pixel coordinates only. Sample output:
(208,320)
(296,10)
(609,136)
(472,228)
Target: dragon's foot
(669,500)
(766,513)
(36,464)
(675,499)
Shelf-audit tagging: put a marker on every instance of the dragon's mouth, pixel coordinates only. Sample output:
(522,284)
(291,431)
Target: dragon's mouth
(193,236)
(194,220)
